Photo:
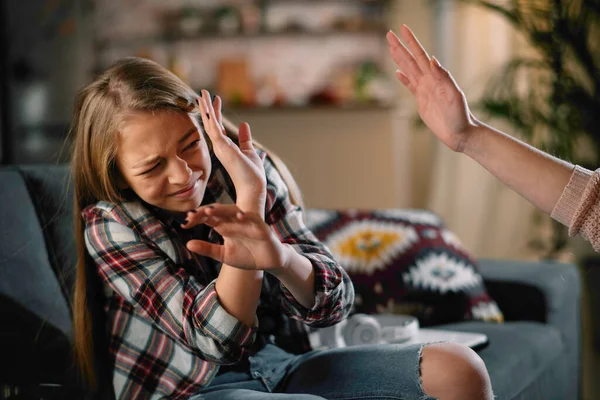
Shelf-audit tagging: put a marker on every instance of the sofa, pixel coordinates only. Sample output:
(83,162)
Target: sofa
(534,354)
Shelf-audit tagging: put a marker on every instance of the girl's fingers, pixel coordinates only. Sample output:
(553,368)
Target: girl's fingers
(237,228)
(209,120)
(415,48)
(210,110)
(209,220)
(237,225)
(207,249)
(227,152)
(218,106)
(213,222)
(245,137)
(205,116)
(222,210)
(197,216)
(213,215)
(403,57)
(193,218)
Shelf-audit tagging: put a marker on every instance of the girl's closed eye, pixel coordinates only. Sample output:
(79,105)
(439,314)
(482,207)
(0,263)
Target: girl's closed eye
(151,169)
(193,145)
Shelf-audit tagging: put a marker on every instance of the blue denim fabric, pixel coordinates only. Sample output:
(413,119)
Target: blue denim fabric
(360,372)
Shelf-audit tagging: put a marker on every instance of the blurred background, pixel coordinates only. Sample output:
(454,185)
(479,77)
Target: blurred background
(315,81)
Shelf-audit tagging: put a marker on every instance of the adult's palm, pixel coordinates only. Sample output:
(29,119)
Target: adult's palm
(441,104)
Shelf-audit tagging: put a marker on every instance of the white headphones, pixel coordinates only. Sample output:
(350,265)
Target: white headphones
(362,329)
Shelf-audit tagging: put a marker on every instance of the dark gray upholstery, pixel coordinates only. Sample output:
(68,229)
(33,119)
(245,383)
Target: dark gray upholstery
(534,355)
(52,198)
(549,293)
(30,295)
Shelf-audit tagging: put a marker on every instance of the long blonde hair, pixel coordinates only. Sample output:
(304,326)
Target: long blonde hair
(130,85)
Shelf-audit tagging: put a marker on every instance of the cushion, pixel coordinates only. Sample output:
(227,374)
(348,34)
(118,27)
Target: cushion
(405,262)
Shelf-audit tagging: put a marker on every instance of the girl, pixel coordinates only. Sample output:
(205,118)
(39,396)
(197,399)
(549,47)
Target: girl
(208,270)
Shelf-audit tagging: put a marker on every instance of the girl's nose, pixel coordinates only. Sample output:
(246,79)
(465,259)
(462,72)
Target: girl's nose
(180,173)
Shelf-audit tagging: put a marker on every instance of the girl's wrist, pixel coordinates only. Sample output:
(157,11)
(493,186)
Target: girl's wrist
(289,254)
(252,205)
(297,274)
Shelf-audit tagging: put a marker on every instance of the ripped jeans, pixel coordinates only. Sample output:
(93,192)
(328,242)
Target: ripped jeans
(371,372)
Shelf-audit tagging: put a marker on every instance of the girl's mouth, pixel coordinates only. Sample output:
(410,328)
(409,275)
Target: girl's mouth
(187,192)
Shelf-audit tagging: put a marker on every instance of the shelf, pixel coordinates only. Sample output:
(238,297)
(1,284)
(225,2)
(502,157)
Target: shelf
(295,2)
(220,36)
(310,107)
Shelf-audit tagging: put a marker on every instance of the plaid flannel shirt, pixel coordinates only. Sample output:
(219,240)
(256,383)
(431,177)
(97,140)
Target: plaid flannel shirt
(168,333)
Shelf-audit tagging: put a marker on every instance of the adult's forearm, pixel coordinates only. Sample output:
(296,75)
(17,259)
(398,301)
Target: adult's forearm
(535,175)
(239,292)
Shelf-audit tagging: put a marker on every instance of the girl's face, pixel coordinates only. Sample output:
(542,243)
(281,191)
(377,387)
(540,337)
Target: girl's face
(164,159)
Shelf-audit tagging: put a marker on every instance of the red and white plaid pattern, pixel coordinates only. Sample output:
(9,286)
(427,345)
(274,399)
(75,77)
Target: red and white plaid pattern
(168,333)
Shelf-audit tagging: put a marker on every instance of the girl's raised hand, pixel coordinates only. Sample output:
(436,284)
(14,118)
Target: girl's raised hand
(441,103)
(242,163)
(249,243)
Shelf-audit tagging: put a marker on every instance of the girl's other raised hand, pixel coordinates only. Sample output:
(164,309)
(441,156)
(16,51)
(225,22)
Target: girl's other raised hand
(248,242)
(242,162)
(441,103)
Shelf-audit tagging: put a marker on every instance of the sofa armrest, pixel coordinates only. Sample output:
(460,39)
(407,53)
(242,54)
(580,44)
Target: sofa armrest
(546,292)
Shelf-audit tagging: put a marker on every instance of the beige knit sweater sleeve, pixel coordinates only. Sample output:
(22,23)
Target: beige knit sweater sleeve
(579,205)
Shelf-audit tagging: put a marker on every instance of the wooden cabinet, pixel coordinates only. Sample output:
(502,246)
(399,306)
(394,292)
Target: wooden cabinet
(355,158)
